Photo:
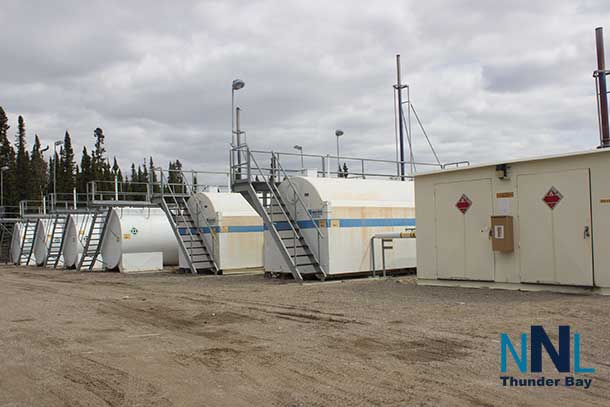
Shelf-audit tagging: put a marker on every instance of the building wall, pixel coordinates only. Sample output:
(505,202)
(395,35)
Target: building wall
(434,190)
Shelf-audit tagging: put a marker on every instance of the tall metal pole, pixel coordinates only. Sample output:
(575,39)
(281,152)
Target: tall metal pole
(400,115)
(603,90)
(338,160)
(238,140)
(54,175)
(232,116)
(2,188)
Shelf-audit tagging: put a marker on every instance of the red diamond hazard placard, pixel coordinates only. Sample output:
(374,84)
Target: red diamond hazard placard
(552,197)
(463,204)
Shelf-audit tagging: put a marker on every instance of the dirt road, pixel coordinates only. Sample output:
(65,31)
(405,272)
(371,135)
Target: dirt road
(106,339)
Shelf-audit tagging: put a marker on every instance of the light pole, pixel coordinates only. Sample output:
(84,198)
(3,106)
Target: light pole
(338,133)
(300,148)
(235,133)
(237,85)
(5,168)
(57,143)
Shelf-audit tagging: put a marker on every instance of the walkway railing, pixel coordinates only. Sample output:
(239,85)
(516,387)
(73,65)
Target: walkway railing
(320,165)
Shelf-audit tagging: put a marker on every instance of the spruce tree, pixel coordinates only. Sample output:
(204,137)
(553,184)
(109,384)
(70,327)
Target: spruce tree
(38,171)
(66,167)
(7,160)
(132,178)
(24,186)
(86,170)
(98,156)
(153,175)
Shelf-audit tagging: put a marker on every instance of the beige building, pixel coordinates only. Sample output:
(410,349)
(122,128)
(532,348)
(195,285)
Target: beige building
(541,223)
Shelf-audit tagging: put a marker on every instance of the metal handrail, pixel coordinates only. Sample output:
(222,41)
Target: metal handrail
(238,167)
(272,192)
(293,258)
(190,190)
(181,214)
(287,178)
(456,163)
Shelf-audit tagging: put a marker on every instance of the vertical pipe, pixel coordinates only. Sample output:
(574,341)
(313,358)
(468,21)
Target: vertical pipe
(238,139)
(323,166)
(233,116)
(338,159)
(74,197)
(116,187)
(603,96)
(400,115)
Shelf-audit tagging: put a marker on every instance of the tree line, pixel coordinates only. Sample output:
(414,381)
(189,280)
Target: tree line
(27,175)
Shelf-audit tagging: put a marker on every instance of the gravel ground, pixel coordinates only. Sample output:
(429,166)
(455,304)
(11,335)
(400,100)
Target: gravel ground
(107,339)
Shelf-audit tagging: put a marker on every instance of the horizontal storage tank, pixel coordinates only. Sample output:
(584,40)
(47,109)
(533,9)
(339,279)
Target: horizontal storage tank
(139,239)
(16,241)
(77,229)
(41,239)
(349,212)
(235,231)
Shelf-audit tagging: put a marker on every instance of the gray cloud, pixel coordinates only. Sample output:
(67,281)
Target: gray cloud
(490,80)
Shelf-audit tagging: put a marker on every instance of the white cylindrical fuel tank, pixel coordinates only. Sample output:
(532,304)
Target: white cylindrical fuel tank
(16,241)
(41,240)
(133,238)
(231,227)
(348,213)
(77,227)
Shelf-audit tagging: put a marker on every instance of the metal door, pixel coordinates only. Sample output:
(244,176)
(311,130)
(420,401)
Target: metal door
(555,228)
(463,246)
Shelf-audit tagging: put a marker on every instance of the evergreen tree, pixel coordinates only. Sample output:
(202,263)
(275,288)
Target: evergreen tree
(7,160)
(66,171)
(116,170)
(145,172)
(153,175)
(23,187)
(38,171)
(86,170)
(98,157)
(178,168)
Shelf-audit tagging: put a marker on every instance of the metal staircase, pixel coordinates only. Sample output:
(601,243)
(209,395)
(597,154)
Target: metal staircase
(192,242)
(6,237)
(93,242)
(30,226)
(56,240)
(262,192)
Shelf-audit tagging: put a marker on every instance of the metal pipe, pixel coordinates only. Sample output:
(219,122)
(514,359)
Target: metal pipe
(408,234)
(238,138)
(603,92)
(400,125)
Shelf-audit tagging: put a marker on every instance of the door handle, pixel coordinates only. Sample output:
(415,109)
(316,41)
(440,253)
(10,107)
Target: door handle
(587,232)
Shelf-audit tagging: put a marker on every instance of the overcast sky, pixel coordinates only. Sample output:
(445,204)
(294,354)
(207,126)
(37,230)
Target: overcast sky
(490,80)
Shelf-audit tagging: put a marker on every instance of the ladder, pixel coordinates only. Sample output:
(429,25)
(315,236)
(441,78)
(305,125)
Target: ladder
(27,241)
(191,241)
(278,218)
(93,242)
(6,237)
(56,240)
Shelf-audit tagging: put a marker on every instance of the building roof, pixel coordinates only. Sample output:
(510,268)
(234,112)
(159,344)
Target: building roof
(514,161)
